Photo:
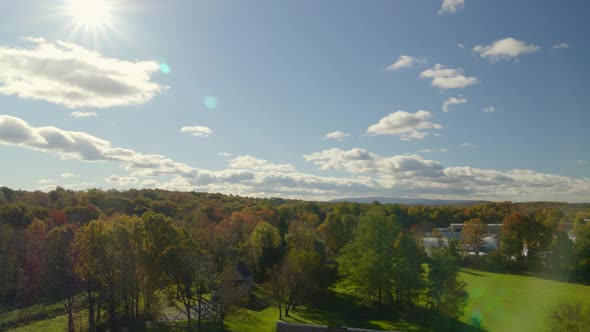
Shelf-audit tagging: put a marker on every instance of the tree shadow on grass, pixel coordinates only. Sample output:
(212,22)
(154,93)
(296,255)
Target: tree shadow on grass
(473,273)
(342,309)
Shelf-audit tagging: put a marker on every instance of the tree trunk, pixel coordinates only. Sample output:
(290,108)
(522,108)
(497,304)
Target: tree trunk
(91,325)
(200,301)
(70,321)
(69,306)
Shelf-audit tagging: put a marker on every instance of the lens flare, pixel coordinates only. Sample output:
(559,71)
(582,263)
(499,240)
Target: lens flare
(165,68)
(210,102)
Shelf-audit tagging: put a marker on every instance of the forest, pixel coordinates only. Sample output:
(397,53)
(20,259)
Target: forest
(121,256)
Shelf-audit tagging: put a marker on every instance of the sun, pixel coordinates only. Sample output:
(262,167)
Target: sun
(90,13)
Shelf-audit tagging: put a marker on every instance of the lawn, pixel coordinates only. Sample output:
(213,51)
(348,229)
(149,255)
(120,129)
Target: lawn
(498,302)
(504,302)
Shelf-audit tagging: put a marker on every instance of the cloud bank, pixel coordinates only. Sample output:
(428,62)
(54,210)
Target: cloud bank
(368,173)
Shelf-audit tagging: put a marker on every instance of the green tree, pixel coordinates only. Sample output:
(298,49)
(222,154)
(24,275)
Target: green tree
(407,271)
(152,235)
(366,260)
(445,291)
(265,244)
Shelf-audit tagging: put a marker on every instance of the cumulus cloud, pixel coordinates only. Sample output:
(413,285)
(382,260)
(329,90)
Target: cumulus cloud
(370,174)
(198,131)
(362,161)
(69,175)
(433,150)
(73,76)
(561,46)
(83,146)
(489,109)
(448,78)
(414,175)
(405,61)
(336,135)
(451,6)
(468,145)
(149,183)
(123,181)
(407,126)
(506,48)
(249,162)
(446,106)
(79,114)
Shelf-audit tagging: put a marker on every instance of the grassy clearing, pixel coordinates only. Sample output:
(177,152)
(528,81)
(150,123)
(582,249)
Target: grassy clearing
(504,302)
(498,302)
(338,307)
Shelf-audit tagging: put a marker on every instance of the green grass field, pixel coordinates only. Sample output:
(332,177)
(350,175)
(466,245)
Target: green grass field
(498,302)
(504,302)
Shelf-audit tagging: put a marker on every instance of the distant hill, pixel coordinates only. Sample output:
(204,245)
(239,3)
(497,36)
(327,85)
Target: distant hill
(408,201)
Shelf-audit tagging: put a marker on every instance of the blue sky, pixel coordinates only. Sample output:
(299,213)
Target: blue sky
(258,85)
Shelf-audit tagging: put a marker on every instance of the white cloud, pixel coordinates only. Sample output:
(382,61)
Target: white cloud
(249,162)
(72,76)
(405,61)
(413,175)
(460,45)
(406,125)
(561,46)
(489,109)
(47,182)
(80,186)
(581,162)
(448,78)
(198,131)
(369,174)
(83,146)
(446,106)
(505,49)
(433,150)
(224,154)
(78,114)
(336,135)
(451,6)
(123,181)
(468,145)
(362,161)
(149,183)
(69,175)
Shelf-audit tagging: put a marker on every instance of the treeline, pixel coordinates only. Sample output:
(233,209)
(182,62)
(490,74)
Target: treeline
(541,242)
(126,254)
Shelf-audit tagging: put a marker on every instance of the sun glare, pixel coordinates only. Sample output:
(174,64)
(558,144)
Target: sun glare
(90,13)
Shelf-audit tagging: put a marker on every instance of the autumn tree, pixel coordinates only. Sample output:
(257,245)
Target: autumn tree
(35,240)
(473,234)
(60,282)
